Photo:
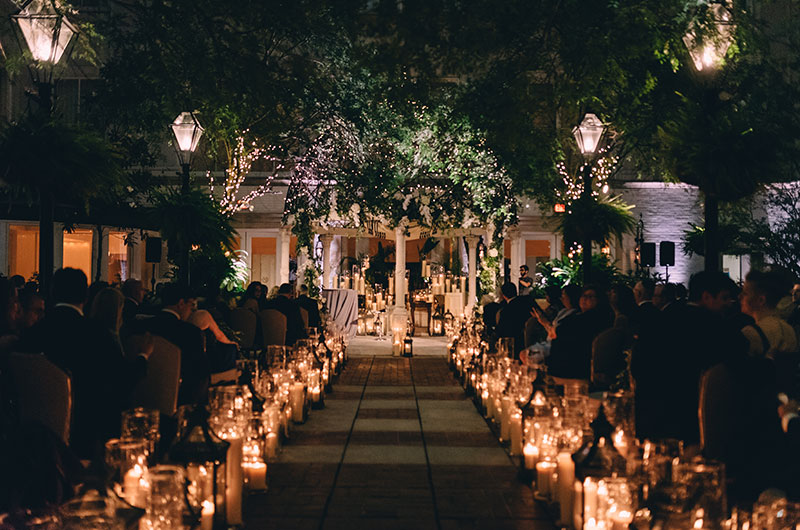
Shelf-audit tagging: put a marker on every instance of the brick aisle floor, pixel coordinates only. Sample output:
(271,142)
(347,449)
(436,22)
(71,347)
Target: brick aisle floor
(398,446)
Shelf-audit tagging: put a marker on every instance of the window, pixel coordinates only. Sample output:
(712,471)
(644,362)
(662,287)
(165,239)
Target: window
(118,270)
(23,250)
(78,251)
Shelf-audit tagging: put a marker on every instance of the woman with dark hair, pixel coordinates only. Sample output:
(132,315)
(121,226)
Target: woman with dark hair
(608,348)
(570,297)
(571,350)
(251,299)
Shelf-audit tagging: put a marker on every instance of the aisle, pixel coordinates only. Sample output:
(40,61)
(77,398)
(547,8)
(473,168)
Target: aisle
(398,446)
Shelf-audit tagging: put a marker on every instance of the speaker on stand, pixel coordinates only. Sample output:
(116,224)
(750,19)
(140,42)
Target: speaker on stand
(152,254)
(666,255)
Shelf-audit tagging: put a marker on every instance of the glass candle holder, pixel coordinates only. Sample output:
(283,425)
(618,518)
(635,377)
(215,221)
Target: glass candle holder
(142,423)
(165,499)
(126,465)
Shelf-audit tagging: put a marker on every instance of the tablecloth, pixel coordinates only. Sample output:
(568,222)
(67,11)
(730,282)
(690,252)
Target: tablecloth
(454,302)
(343,308)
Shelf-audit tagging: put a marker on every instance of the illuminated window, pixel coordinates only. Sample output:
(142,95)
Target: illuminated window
(262,258)
(23,250)
(118,270)
(78,251)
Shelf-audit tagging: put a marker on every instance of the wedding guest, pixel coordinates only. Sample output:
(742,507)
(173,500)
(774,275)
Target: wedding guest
(95,288)
(513,316)
(31,307)
(285,303)
(134,292)
(310,305)
(769,334)
(221,350)
(101,378)
(664,295)
(171,323)
(490,312)
(525,281)
(794,314)
(608,348)
(570,300)
(252,297)
(647,313)
(571,350)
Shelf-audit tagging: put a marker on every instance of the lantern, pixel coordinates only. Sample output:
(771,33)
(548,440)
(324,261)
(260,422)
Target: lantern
(588,134)
(408,348)
(437,322)
(47,32)
(708,45)
(187,132)
(203,454)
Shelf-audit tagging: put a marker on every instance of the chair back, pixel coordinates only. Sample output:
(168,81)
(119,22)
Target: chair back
(159,389)
(273,327)
(532,327)
(44,392)
(716,411)
(245,322)
(304,314)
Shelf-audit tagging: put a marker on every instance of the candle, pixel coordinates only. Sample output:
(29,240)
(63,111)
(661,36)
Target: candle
(132,486)
(315,394)
(566,478)
(296,399)
(589,500)
(447,285)
(272,445)
(505,419)
(207,516)
(234,482)
(577,505)
(255,475)
(463,284)
(620,520)
(544,470)
(620,442)
(516,430)
(531,453)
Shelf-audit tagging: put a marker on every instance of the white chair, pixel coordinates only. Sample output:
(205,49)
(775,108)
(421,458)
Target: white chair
(159,389)
(44,392)
(273,327)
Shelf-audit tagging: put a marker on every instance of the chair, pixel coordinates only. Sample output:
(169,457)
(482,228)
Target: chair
(273,327)
(716,411)
(245,322)
(44,392)
(159,389)
(304,314)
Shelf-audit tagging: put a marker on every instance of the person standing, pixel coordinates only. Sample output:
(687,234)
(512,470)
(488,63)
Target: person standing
(525,281)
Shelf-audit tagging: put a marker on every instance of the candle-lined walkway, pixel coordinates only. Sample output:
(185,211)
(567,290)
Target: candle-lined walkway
(397,447)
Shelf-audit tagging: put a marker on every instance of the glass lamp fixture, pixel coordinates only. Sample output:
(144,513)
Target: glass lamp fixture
(588,133)
(708,45)
(187,132)
(47,32)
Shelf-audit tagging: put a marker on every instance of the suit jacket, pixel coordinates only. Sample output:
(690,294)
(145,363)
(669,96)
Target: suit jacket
(129,310)
(310,305)
(295,329)
(571,350)
(102,378)
(195,364)
(512,319)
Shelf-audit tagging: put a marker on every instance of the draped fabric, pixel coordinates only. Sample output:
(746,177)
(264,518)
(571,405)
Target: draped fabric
(343,309)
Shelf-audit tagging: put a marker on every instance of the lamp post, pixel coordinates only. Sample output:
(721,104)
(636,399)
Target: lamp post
(707,47)
(588,135)
(47,34)
(186,131)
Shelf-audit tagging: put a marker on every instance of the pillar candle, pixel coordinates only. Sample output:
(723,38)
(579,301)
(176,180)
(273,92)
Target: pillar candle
(577,505)
(589,500)
(296,399)
(207,516)
(234,482)
(516,430)
(544,471)
(505,419)
(566,478)
(271,446)
(463,284)
(620,520)
(132,486)
(447,285)
(255,474)
(531,453)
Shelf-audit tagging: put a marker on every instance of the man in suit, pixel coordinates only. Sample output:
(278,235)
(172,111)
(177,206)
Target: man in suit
(647,314)
(285,303)
(513,316)
(101,379)
(310,305)
(170,323)
(134,295)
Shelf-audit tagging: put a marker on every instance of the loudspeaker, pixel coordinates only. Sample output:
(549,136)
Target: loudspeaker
(648,254)
(666,254)
(152,250)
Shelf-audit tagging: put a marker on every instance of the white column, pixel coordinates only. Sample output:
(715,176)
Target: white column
(472,283)
(326,260)
(399,267)
(283,255)
(102,247)
(58,244)
(516,255)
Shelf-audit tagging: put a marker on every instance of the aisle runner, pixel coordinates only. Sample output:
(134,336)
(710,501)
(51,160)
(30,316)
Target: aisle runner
(398,446)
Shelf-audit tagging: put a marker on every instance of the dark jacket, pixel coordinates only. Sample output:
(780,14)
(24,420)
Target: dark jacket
(102,378)
(294,321)
(511,322)
(310,305)
(571,350)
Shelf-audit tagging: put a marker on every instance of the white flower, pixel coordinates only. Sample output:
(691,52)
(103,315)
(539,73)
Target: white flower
(492,252)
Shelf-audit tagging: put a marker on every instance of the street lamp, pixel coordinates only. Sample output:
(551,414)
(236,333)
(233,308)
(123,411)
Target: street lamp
(47,34)
(707,44)
(187,132)
(588,135)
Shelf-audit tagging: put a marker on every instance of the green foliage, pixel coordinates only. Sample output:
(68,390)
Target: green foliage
(380,269)
(597,219)
(238,274)
(568,270)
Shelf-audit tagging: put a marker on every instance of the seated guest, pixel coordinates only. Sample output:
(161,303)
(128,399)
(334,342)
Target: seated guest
(608,348)
(669,359)
(220,349)
(134,292)
(106,311)
(171,324)
(554,304)
(310,305)
(571,349)
(490,313)
(285,303)
(769,334)
(31,309)
(513,316)
(102,378)
(252,297)
(570,298)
